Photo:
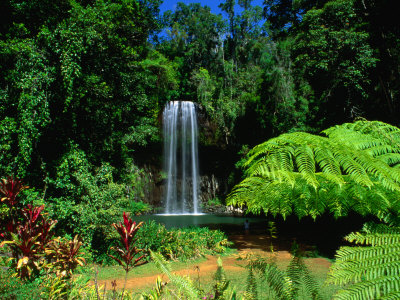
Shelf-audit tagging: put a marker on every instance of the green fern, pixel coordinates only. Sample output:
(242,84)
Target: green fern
(156,293)
(222,289)
(251,286)
(372,270)
(284,284)
(356,167)
(300,275)
(185,287)
(376,137)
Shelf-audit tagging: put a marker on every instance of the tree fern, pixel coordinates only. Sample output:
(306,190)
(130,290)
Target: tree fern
(370,271)
(367,135)
(353,168)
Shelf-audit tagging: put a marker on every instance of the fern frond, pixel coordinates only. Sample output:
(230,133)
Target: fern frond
(353,168)
(369,272)
(374,239)
(374,137)
(251,286)
(372,227)
(299,274)
(221,283)
(374,289)
(365,253)
(278,282)
(183,285)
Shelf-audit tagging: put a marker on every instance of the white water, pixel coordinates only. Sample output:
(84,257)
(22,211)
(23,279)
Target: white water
(181,158)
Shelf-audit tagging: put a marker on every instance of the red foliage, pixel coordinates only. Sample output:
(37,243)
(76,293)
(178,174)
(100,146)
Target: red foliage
(28,234)
(10,188)
(127,253)
(28,238)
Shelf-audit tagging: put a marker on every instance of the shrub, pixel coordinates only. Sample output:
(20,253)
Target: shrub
(152,236)
(140,207)
(181,243)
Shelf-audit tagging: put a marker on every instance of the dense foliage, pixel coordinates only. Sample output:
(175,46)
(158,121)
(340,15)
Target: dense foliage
(181,243)
(37,259)
(83,83)
(295,282)
(353,167)
(371,269)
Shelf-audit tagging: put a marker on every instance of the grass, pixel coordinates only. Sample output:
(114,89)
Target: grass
(114,272)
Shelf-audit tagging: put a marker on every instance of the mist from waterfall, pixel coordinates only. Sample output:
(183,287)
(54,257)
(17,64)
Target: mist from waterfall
(181,158)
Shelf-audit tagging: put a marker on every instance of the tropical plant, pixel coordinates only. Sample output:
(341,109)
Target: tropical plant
(181,243)
(28,240)
(128,252)
(54,287)
(354,168)
(282,284)
(12,287)
(222,288)
(334,54)
(156,293)
(29,237)
(371,269)
(140,207)
(251,285)
(272,234)
(10,188)
(63,255)
(186,243)
(184,287)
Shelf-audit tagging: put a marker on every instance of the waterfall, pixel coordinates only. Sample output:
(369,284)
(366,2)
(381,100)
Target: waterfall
(181,158)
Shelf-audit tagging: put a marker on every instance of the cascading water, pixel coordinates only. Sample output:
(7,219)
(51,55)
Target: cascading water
(181,158)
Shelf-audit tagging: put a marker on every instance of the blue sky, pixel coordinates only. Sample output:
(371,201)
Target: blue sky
(171,4)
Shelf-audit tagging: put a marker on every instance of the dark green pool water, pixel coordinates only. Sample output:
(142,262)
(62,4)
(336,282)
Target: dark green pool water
(210,220)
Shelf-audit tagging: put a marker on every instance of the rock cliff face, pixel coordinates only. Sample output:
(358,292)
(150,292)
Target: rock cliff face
(210,188)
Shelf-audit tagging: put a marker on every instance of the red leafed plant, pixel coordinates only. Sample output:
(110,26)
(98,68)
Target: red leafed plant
(129,255)
(10,188)
(27,240)
(28,234)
